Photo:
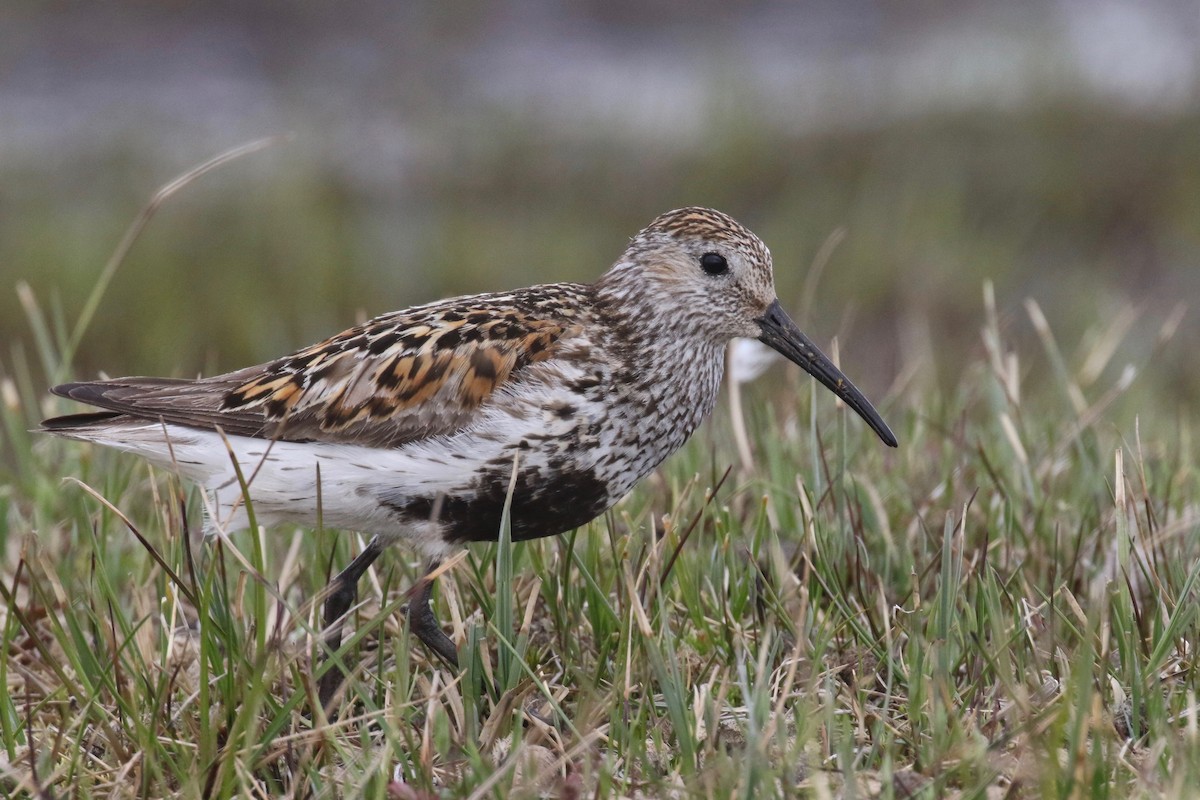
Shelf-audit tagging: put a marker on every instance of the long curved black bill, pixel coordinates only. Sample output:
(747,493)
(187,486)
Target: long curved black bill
(781,333)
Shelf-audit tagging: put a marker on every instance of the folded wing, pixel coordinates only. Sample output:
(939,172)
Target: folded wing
(396,379)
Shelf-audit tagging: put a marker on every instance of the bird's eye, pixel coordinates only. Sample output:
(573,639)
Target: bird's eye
(714,264)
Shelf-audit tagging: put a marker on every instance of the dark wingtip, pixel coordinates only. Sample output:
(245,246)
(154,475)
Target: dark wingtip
(91,393)
(75,421)
(81,391)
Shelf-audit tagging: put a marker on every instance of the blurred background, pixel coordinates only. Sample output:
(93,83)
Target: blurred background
(1052,148)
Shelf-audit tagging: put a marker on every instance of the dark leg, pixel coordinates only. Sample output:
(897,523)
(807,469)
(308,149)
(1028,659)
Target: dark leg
(425,625)
(340,600)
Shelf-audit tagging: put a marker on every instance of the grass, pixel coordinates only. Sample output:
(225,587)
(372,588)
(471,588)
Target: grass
(1005,606)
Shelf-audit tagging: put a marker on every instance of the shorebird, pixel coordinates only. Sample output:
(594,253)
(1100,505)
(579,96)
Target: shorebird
(411,426)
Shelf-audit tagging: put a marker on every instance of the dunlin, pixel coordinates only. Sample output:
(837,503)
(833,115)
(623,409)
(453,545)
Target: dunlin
(408,427)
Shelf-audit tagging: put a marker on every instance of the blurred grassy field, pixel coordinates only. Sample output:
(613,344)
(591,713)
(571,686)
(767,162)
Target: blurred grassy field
(1082,209)
(1003,607)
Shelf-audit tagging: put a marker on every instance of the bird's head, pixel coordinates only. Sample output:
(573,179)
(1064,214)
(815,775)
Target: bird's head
(707,275)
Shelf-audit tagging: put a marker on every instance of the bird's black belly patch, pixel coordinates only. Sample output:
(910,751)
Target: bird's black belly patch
(567,501)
